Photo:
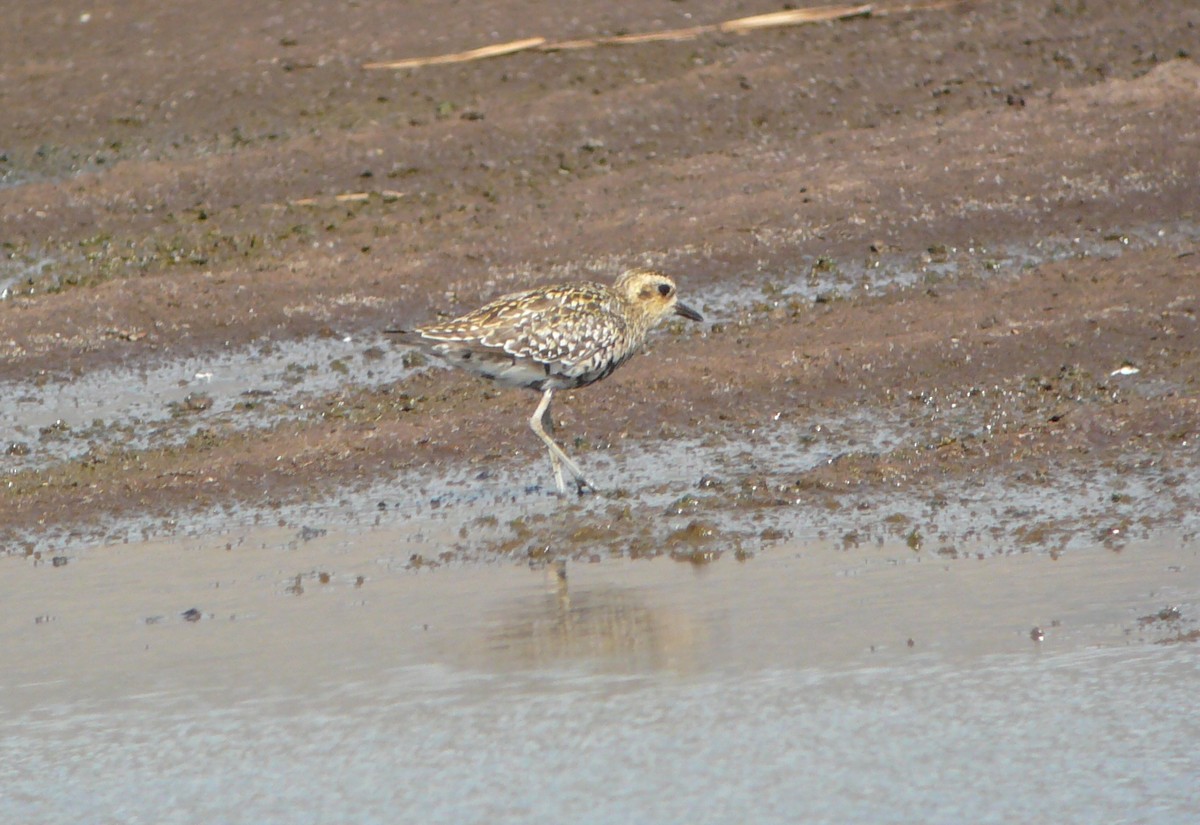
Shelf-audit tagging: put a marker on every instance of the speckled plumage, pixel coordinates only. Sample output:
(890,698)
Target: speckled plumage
(555,337)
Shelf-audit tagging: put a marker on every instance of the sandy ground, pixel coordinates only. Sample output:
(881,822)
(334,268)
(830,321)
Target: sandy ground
(887,538)
(963,222)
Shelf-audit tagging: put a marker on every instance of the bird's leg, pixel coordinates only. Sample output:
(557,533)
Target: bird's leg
(580,482)
(547,421)
(538,423)
(547,417)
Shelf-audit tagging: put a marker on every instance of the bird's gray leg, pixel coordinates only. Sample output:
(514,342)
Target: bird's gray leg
(555,462)
(538,422)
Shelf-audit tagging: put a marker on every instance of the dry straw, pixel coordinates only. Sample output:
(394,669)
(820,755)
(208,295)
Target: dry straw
(741,25)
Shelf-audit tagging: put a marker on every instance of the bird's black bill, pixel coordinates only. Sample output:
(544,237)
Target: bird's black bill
(688,312)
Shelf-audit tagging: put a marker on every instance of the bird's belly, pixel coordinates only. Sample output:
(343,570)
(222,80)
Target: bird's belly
(517,371)
(506,370)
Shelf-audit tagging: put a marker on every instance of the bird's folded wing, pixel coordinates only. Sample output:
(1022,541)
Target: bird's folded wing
(565,330)
(569,338)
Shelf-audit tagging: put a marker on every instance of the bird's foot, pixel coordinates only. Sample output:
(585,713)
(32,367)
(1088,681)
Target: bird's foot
(582,487)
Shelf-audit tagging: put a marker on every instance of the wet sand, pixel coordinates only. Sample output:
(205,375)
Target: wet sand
(975,223)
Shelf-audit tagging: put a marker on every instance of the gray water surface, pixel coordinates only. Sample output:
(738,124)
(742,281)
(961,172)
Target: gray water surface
(325,680)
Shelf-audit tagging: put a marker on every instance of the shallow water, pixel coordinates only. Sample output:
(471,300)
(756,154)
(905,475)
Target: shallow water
(146,406)
(322,671)
(810,683)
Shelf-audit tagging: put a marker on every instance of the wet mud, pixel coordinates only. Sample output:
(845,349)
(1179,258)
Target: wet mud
(942,250)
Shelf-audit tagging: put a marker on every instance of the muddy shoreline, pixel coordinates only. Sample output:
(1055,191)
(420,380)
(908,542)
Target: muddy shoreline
(905,531)
(976,225)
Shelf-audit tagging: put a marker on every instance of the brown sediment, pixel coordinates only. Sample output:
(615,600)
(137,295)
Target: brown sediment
(194,202)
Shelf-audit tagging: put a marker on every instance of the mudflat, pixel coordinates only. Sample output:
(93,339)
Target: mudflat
(936,246)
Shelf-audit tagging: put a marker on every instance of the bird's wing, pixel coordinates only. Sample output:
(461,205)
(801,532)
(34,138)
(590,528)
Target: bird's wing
(566,329)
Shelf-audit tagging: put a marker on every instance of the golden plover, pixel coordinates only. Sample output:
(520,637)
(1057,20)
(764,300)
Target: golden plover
(555,338)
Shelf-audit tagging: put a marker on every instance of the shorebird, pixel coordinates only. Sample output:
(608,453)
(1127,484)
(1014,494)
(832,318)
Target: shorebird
(555,338)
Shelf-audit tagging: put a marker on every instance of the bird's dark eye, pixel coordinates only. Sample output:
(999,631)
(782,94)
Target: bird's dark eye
(664,290)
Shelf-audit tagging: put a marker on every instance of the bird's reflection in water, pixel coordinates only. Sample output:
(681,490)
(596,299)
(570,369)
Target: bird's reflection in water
(604,625)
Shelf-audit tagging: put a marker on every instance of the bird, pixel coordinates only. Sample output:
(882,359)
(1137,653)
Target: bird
(557,337)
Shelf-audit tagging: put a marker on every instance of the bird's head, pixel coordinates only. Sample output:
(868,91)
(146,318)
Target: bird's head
(653,294)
